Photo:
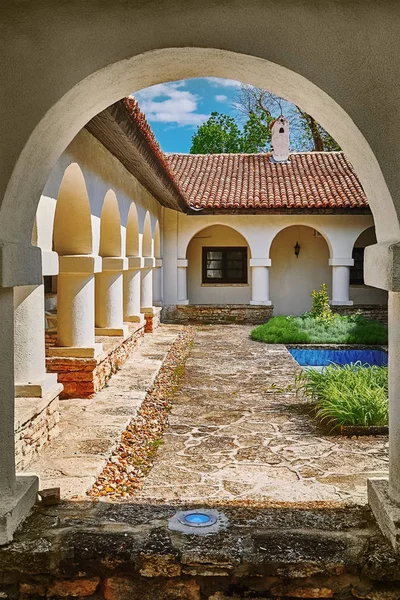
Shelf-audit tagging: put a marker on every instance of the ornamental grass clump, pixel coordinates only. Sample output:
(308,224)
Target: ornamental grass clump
(352,395)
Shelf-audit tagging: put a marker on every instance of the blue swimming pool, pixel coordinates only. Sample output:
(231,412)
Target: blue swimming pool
(316,357)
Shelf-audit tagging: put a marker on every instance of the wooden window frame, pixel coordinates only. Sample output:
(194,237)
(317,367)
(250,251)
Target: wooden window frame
(224,280)
(354,270)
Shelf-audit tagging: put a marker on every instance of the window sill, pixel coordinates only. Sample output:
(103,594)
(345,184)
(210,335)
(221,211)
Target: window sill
(224,285)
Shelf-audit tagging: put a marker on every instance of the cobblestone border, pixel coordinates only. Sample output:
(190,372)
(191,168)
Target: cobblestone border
(131,461)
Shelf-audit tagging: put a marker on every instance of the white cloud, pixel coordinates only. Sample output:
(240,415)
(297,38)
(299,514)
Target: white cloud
(221,82)
(170,103)
(221,98)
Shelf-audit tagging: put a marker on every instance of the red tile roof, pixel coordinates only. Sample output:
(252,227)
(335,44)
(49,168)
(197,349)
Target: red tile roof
(315,180)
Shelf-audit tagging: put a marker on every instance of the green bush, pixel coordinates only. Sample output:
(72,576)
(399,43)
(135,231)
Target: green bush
(354,394)
(307,329)
(321,309)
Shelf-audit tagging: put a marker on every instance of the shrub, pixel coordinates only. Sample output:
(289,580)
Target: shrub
(321,309)
(355,394)
(308,329)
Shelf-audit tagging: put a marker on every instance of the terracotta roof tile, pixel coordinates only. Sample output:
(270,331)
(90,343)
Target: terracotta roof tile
(234,181)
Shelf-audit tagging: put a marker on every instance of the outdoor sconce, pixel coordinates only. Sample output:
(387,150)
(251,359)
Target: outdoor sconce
(297,250)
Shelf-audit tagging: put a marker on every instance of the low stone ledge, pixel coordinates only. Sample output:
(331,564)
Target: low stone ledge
(36,424)
(222,314)
(373,312)
(84,377)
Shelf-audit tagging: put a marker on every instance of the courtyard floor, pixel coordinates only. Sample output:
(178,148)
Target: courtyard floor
(237,432)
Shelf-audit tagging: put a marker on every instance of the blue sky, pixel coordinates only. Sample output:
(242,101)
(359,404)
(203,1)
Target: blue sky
(175,109)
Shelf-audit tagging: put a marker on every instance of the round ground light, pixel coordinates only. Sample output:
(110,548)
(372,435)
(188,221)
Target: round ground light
(201,521)
(197,519)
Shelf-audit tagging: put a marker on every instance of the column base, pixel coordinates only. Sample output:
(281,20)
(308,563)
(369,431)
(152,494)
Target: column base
(134,319)
(386,512)
(183,303)
(16,506)
(112,331)
(148,310)
(261,302)
(36,390)
(341,302)
(75,351)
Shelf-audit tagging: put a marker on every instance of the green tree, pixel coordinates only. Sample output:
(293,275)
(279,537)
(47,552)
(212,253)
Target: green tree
(221,134)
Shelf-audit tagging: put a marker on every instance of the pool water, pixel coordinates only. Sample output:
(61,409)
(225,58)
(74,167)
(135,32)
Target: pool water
(315,357)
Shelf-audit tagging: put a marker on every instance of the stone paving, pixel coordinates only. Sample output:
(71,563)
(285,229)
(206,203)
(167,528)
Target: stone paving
(238,432)
(91,428)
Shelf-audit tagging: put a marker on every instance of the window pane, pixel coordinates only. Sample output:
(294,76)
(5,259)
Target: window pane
(214,274)
(235,274)
(214,264)
(235,264)
(211,254)
(235,254)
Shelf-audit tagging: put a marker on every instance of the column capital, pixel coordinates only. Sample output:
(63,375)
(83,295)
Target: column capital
(20,265)
(82,263)
(49,262)
(260,262)
(182,263)
(158,262)
(135,263)
(341,262)
(115,263)
(149,262)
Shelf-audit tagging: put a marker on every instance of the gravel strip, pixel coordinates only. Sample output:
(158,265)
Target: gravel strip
(129,464)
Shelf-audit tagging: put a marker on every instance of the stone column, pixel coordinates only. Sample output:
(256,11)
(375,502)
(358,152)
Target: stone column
(157,283)
(182,281)
(75,318)
(394,396)
(31,379)
(146,285)
(132,290)
(17,494)
(260,281)
(109,302)
(341,281)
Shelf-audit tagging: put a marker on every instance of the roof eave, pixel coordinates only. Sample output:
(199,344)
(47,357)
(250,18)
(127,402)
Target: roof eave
(122,137)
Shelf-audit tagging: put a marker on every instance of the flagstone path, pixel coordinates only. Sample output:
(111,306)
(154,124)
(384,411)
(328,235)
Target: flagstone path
(237,431)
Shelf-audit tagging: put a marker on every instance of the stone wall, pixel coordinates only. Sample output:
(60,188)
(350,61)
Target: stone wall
(375,312)
(83,377)
(36,423)
(114,551)
(216,313)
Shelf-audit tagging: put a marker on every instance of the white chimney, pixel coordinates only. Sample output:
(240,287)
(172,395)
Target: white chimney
(280,139)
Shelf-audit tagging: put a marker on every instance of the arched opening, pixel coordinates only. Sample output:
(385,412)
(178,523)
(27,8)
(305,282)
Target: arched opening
(110,226)
(157,241)
(132,232)
(218,267)
(147,240)
(72,221)
(360,293)
(299,264)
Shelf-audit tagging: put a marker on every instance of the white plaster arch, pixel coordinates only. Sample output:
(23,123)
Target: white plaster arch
(188,234)
(132,232)
(273,234)
(147,238)
(110,227)
(63,119)
(72,220)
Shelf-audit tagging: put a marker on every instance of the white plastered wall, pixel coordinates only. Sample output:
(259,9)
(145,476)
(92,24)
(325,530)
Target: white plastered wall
(339,232)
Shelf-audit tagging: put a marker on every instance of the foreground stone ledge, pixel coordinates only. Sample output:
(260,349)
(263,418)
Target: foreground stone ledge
(112,551)
(386,512)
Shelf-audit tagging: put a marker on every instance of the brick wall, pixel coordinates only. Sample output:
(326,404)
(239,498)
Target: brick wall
(216,313)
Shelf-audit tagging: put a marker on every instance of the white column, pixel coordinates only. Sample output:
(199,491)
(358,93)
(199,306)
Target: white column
(157,283)
(132,290)
(75,307)
(394,395)
(31,379)
(341,281)
(17,494)
(260,281)
(109,303)
(146,286)
(182,265)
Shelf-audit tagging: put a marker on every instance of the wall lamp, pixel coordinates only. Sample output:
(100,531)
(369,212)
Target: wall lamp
(297,250)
